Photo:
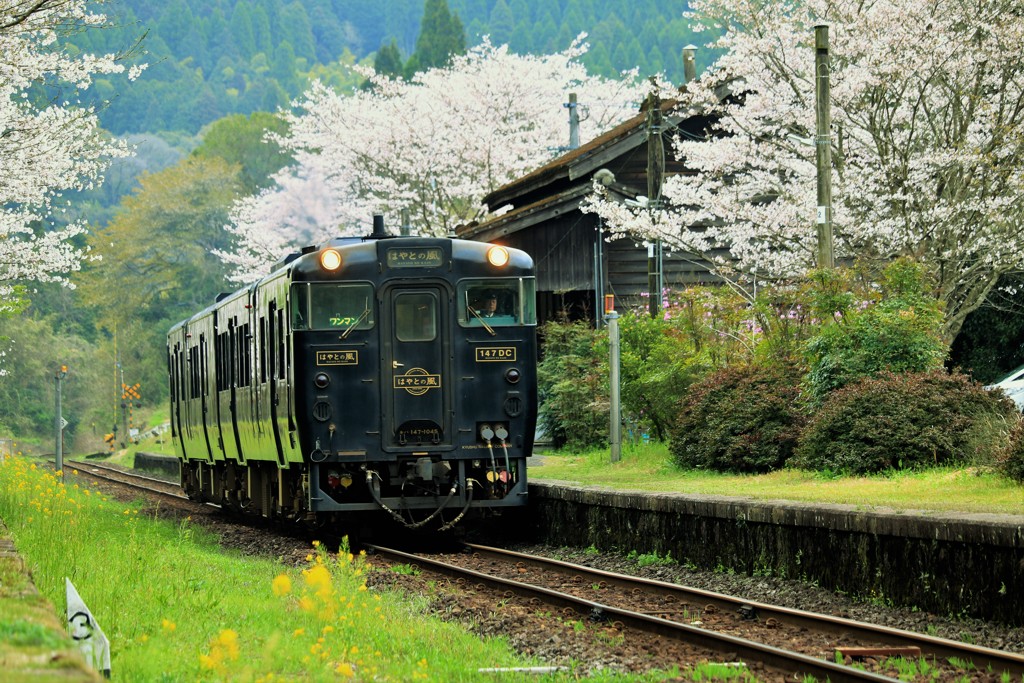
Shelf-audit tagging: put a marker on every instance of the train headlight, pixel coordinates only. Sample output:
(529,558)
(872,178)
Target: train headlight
(498,256)
(330,259)
(321,380)
(512,375)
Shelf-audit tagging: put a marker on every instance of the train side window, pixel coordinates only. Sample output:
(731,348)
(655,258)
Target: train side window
(243,338)
(282,346)
(300,306)
(415,317)
(263,350)
(204,386)
(193,363)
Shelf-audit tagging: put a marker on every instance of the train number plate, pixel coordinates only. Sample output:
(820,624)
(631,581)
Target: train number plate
(492,354)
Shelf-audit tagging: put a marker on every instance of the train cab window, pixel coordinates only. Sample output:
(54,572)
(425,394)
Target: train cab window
(332,306)
(415,317)
(497,302)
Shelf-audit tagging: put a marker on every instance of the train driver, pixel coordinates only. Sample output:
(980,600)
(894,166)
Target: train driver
(488,306)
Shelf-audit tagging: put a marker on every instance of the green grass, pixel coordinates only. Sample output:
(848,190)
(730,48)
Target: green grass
(33,644)
(649,468)
(176,606)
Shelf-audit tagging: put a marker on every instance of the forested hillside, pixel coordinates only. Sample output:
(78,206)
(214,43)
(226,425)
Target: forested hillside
(211,58)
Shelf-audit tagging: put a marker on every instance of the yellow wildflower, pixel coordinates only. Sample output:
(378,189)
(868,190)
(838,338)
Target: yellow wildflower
(281,585)
(317,576)
(228,641)
(168,625)
(345,669)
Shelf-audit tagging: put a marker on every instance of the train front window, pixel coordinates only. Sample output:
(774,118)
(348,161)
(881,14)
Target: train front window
(415,317)
(337,307)
(497,302)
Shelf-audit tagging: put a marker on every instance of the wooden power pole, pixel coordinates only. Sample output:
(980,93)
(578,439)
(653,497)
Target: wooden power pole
(823,147)
(655,179)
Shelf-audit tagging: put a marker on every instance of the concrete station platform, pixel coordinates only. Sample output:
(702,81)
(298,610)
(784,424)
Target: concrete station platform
(970,564)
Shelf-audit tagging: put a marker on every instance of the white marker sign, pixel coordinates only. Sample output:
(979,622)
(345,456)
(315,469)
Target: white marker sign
(86,633)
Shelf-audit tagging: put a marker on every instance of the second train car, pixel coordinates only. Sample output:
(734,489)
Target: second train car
(394,375)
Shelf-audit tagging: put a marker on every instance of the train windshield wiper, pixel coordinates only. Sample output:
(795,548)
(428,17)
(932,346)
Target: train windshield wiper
(481,319)
(362,316)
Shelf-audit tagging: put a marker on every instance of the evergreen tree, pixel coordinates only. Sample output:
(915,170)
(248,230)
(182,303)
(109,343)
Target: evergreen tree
(441,36)
(242,32)
(388,60)
(261,29)
(298,30)
(502,23)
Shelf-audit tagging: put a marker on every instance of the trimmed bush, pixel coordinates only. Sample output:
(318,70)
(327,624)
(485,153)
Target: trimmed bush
(741,419)
(1011,458)
(904,421)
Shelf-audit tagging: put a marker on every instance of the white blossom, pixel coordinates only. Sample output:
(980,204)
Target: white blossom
(45,149)
(434,145)
(927,142)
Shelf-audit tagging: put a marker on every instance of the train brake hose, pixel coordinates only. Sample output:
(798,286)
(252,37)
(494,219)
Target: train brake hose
(502,434)
(486,433)
(397,517)
(458,517)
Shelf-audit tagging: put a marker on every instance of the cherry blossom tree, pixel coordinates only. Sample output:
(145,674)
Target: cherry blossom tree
(433,145)
(928,142)
(47,146)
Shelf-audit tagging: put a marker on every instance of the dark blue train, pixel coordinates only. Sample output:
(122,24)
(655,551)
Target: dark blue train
(384,375)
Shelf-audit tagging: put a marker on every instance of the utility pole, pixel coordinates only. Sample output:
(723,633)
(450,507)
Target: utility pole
(655,178)
(405,229)
(689,65)
(59,376)
(574,121)
(823,146)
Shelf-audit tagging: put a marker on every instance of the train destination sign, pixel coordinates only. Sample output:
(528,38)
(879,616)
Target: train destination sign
(415,257)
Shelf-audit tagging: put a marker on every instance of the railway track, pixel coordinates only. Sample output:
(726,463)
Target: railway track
(142,482)
(780,638)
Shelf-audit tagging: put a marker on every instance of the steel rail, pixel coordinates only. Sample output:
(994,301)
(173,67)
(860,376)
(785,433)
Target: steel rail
(982,657)
(127,478)
(777,658)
